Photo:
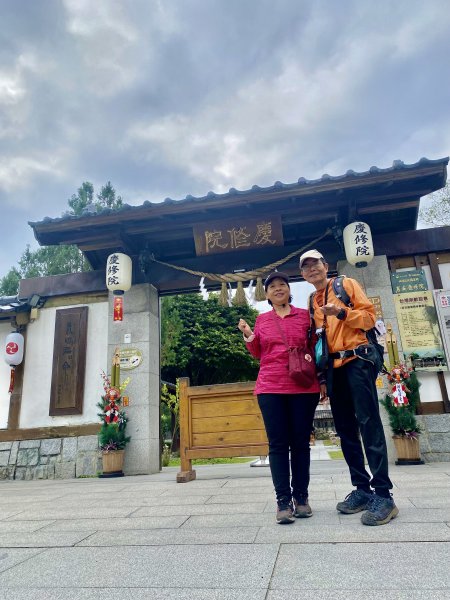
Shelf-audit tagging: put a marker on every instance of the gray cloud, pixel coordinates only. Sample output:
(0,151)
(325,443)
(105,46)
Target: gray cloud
(182,97)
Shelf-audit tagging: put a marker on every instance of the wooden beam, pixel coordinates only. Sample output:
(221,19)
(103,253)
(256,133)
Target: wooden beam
(444,391)
(44,433)
(434,268)
(366,210)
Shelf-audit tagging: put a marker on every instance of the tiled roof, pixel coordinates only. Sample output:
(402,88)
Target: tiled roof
(397,165)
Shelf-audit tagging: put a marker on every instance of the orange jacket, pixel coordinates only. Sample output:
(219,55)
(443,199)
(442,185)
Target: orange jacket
(349,333)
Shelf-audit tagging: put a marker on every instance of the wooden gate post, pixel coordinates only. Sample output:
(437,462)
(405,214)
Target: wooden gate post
(186,472)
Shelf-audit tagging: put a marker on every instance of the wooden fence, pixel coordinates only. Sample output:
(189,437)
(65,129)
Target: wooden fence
(218,421)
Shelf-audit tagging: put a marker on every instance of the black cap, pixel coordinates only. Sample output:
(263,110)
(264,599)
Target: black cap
(276,275)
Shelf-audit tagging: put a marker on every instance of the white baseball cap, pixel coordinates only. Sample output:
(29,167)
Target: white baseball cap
(310,254)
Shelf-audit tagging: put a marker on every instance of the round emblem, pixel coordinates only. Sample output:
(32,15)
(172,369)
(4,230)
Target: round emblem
(308,357)
(12,348)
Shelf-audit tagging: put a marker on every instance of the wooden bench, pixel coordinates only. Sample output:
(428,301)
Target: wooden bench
(218,421)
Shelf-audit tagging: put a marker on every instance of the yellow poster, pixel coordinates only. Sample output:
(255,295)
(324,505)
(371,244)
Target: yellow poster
(419,330)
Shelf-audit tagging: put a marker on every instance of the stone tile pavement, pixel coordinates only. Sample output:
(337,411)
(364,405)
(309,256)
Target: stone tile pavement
(216,539)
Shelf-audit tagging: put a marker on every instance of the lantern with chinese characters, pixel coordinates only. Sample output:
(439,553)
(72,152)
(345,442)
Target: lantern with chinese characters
(14,345)
(358,244)
(118,280)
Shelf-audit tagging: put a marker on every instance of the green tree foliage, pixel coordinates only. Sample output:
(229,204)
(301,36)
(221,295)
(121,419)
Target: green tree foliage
(9,284)
(57,260)
(200,340)
(438,212)
(85,197)
(48,260)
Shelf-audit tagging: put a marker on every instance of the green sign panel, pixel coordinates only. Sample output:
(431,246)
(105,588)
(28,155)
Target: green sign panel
(409,281)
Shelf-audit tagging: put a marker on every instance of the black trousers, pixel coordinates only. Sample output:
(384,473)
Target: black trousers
(356,410)
(288,419)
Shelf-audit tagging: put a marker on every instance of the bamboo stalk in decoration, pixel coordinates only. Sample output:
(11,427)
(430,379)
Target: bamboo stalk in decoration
(259,290)
(115,369)
(239,297)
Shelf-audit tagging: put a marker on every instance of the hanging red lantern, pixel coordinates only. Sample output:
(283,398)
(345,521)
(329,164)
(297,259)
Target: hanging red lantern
(14,347)
(118,280)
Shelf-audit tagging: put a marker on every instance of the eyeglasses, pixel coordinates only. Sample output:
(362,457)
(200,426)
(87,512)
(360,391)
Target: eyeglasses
(311,265)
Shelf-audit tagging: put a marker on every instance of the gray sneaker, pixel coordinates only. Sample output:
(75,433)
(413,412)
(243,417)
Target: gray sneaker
(302,508)
(379,511)
(285,512)
(355,502)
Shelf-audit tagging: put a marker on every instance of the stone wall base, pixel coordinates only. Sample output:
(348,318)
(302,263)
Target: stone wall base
(435,438)
(59,458)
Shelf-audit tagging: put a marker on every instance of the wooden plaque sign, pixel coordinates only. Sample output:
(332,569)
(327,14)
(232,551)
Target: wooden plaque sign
(69,361)
(229,236)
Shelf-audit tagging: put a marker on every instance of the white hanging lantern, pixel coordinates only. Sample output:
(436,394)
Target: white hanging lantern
(118,273)
(358,244)
(119,268)
(13,354)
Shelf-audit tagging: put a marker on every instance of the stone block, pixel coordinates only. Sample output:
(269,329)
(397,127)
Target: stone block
(64,470)
(13,453)
(43,460)
(19,473)
(4,458)
(29,444)
(424,444)
(5,446)
(6,472)
(142,457)
(439,442)
(136,324)
(29,474)
(28,457)
(438,423)
(436,457)
(51,471)
(141,298)
(41,472)
(52,446)
(86,464)
(87,443)
(69,449)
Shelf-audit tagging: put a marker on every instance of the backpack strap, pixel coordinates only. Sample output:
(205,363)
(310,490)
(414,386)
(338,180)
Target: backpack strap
(340,291)
(312,323)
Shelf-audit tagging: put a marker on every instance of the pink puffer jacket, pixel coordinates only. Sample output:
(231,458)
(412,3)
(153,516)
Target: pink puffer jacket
(268,346)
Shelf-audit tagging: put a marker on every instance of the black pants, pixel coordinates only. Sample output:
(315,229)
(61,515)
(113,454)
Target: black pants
(288,419)
(355,407)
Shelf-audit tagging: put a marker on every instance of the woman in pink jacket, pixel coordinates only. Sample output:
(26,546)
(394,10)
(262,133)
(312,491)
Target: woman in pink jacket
(287,407)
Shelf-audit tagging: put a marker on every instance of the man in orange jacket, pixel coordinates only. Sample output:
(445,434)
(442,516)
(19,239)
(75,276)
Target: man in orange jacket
(353,396)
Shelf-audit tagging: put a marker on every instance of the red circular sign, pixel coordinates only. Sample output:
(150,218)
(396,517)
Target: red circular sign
(12,348)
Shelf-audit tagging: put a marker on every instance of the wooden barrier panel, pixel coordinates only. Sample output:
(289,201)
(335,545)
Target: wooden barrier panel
(218,421)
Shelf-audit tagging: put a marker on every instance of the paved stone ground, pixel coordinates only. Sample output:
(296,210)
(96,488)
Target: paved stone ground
(216,539)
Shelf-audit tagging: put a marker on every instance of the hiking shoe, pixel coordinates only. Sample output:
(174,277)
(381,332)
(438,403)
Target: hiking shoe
(285,512)
(379,511)
(355,502)
(301,507)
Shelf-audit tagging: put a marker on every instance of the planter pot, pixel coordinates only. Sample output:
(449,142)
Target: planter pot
(408,452)
(113,463)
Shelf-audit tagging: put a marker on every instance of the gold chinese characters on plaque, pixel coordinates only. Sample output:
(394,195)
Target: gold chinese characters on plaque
(229,236)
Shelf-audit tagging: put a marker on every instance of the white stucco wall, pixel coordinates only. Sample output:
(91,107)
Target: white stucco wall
(38,371)
(5,329)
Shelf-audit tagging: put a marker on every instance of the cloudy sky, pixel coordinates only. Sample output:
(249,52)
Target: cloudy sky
(173,97)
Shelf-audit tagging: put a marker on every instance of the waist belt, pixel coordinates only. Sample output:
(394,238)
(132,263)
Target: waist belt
(343,354)
(346,353)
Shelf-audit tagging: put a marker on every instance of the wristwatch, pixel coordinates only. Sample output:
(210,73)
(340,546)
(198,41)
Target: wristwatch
(342,314)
